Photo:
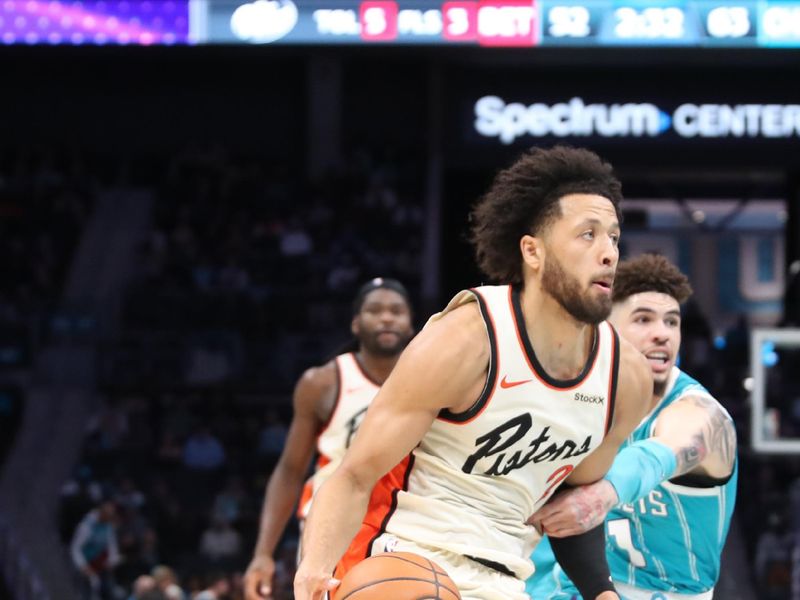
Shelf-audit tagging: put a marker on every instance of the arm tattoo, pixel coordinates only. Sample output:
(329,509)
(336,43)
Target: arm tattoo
(722,437)
(717,437)
(692,454)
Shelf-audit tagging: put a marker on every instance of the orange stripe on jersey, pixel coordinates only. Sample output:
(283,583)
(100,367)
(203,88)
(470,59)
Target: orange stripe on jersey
(305,500)
(308,490)
(382,503)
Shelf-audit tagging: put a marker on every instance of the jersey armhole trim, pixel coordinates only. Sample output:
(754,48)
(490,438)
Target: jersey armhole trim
(612,385)
(491,378)
(337,402)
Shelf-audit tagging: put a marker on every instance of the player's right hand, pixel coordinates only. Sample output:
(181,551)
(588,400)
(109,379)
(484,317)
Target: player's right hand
(258,578)
(312,584)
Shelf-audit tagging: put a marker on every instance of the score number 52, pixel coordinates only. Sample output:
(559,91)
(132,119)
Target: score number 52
(568,22)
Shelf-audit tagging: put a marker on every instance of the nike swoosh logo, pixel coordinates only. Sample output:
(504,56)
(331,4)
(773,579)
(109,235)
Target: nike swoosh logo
(505,383)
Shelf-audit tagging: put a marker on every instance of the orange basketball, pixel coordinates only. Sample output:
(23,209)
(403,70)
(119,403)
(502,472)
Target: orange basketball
(397,576)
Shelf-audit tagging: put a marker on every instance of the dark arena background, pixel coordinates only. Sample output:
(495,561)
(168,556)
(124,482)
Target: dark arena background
(191,192)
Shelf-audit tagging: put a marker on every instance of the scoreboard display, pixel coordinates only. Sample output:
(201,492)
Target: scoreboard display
(524,23)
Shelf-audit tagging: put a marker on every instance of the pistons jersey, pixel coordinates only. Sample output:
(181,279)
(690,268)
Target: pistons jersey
(355,393)
(477,476)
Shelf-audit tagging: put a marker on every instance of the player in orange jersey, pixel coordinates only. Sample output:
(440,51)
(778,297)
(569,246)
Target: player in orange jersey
(329,403)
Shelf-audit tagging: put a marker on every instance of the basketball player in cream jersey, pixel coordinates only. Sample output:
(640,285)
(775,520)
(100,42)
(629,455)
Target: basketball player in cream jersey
(505,395)
(329,403)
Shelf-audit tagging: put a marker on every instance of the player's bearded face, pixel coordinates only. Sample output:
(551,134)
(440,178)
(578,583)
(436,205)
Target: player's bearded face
(576,298)
(382,342)
(383,326)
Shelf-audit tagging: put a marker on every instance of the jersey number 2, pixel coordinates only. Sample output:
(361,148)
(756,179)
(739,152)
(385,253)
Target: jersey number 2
(555,478)
(620,530)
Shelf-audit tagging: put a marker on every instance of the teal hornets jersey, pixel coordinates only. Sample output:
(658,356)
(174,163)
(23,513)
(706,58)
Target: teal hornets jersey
(669,541)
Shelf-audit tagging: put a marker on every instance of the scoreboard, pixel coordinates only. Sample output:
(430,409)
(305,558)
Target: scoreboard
(523,23)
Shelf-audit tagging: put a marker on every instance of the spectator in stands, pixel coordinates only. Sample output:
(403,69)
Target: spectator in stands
(772,560)
(232,501)
(272,437)
(128,495)
(108,428)
(78,496)
(295,241)
(203,451)
(94,551)
(144,588)
(237,585)
(140,554)
(167,582)
(170,451)
(167,512)
(218,588)
(220,541)
(148,549)
(344,274)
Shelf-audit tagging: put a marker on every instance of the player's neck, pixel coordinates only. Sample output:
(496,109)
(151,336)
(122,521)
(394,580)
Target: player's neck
(659,391)
(377,368)
(562,344)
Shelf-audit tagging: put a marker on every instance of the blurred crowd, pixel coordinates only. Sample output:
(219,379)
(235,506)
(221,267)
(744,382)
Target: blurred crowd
(243,241)
(172,479)
(46,197)
(247,272)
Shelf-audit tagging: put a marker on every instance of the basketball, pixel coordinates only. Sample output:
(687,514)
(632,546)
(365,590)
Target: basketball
(399,576)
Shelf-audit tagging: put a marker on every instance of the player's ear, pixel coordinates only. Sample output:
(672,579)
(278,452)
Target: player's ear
(532,249)
(355,326)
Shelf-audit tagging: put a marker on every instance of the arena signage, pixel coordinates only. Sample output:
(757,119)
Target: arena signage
(510,121)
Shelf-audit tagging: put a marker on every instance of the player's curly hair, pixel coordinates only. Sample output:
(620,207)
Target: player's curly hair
(650,273)
(524,198)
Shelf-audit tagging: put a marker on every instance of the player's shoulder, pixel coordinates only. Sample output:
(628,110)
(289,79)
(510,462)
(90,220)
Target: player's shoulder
(633,364)
(319,378)
(457,334)
(461,316)
(634,384)
(685,385)
(687,389)
(460,322)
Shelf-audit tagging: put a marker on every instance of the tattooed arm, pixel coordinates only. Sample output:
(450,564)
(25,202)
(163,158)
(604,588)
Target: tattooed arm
(695,429)
(701,434)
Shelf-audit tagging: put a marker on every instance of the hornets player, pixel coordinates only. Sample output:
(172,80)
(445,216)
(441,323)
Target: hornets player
(668,498)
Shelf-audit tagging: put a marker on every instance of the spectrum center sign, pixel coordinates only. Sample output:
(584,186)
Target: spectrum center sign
(509,121)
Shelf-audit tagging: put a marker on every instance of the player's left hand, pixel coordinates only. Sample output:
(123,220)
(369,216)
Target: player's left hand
(575,511)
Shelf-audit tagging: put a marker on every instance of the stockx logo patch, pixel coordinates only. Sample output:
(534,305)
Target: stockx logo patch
(589,399)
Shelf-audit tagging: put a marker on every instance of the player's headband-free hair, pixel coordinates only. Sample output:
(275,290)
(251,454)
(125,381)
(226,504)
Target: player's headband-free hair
(379,283)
